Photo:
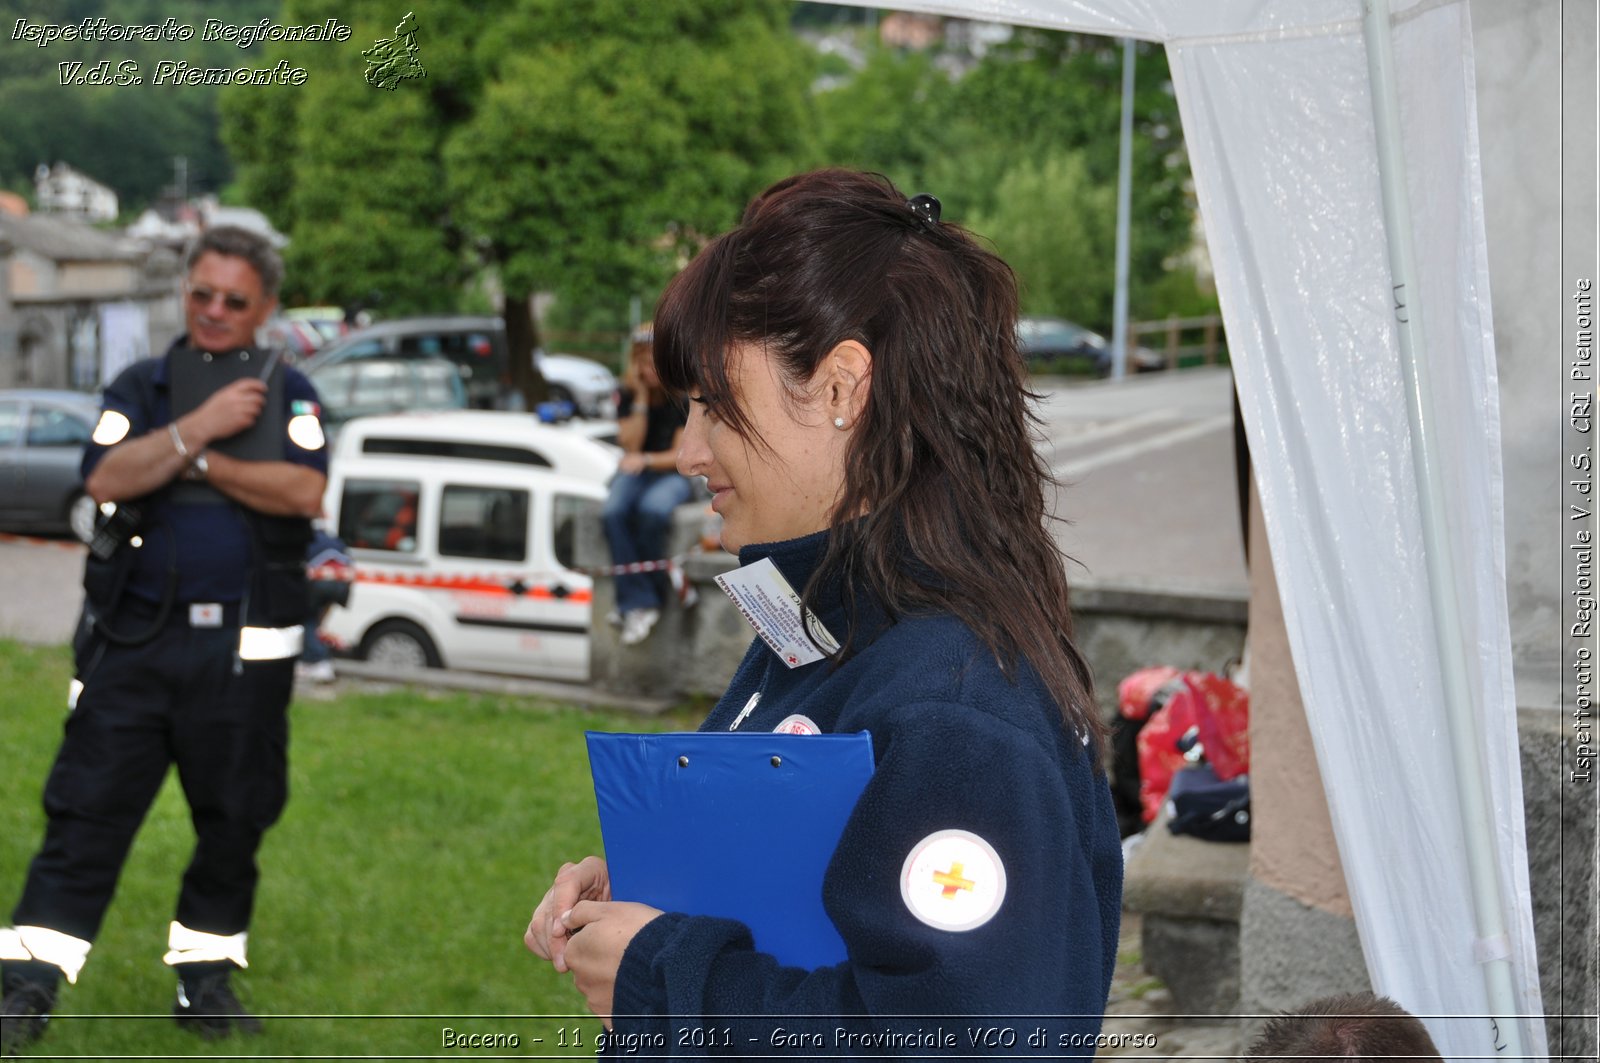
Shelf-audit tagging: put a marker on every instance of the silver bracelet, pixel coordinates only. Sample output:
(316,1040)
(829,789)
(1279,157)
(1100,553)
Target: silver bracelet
(177,440)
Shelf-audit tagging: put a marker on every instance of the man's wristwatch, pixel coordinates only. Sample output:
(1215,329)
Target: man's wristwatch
(198,468)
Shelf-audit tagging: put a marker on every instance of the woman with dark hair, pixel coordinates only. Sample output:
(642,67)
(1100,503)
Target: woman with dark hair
(647,489)
(859,410)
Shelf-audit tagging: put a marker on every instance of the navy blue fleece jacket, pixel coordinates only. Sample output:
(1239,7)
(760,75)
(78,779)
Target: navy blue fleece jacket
(958,748)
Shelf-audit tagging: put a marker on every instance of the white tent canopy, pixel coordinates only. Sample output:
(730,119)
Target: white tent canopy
(1399,630)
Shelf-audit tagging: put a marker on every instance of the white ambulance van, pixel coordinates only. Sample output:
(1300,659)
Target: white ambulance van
(461,527)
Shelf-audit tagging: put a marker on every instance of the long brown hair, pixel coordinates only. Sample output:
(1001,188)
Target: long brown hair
(942,463)
(641,349)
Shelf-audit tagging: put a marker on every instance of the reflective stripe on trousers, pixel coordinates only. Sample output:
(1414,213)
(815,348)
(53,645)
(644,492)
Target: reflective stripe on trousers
(23,943)
(271,643)
(195,946)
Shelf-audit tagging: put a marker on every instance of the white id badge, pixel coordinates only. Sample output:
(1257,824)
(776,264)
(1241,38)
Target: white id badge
(207,614)
(772,607)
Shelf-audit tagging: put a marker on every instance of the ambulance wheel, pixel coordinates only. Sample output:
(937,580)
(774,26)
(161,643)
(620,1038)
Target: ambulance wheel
(400,645)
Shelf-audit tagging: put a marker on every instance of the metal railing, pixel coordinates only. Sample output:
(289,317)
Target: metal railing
(1185,341)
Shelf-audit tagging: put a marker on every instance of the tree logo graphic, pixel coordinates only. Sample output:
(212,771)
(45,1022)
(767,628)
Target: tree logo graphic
(393,59)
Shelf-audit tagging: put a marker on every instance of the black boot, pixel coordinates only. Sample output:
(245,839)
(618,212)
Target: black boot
(30,993)
(206,1004)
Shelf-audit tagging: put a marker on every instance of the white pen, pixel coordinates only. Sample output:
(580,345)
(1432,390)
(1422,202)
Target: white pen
(749,707)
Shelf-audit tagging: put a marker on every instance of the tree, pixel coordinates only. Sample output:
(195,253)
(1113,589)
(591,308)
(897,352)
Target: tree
(614,137)
(582,149)
(887,117)
(1048,92)
(124,136)
(1057,229)
(1037,117)
(353,172)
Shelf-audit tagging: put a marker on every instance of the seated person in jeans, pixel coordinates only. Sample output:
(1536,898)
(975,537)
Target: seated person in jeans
(648,487)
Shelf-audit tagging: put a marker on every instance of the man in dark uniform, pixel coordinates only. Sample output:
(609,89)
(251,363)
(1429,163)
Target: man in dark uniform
(208,463)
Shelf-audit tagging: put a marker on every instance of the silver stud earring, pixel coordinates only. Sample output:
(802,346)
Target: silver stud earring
(838,422)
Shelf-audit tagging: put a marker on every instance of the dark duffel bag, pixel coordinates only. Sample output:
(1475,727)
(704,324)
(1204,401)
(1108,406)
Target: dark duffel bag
(1201,805)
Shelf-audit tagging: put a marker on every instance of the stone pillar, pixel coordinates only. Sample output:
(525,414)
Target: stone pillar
(1297,934)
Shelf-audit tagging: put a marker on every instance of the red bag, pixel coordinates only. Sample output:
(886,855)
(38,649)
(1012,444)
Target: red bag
(1136,695)
(1219,709)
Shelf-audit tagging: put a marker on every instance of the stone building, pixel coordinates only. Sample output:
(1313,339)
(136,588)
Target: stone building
(77,303)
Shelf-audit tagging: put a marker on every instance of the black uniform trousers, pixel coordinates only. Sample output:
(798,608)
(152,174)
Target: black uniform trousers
(182,698)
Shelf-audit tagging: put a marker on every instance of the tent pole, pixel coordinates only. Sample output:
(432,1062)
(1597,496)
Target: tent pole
(1493,952)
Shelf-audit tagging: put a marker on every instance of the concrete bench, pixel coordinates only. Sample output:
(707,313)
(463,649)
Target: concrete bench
(1189,894)
(691,652)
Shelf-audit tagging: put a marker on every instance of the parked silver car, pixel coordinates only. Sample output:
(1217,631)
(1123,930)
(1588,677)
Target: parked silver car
(477,345)
(363,387)
(584,382)
(42,435)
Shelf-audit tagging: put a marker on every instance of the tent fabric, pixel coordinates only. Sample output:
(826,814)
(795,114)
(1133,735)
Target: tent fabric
(1290,195)
(1277,114)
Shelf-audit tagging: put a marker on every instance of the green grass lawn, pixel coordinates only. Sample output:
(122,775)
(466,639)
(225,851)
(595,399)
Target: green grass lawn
(421,830)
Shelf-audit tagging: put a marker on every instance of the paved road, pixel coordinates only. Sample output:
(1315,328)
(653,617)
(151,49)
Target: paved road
(39,588)
(1146,464)
(1147,468)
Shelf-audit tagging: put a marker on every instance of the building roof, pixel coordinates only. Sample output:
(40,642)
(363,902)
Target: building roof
(63,240)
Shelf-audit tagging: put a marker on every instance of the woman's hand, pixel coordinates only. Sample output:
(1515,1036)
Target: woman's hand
(633,464)
(594,955)
(587,880)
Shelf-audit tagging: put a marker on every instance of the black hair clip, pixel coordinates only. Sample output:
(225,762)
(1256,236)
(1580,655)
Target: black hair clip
(927,209)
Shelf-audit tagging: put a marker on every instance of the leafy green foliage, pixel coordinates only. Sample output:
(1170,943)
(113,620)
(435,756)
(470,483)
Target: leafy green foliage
(1048,92)
(1057,229)
(1023,149)
(352,173)
(580,149)
(887,117)
(368,200)
(633,130)
(125,136)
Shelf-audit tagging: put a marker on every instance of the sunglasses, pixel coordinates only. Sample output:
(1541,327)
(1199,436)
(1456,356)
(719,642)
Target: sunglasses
(201,298)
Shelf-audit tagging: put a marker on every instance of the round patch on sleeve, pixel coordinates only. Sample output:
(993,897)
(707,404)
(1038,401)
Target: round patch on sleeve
(797,725)
(953,880)
(111,429)
(305,431)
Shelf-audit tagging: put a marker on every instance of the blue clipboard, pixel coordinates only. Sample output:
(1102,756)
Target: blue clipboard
(734,825)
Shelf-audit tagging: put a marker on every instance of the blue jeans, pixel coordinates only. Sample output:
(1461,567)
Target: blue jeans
(637,517)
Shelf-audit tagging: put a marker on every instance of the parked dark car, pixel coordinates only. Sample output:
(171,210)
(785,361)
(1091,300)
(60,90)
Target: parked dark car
(1047,340)
(42,435)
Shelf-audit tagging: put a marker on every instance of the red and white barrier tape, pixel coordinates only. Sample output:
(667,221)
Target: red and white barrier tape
(33,540)
(530,584)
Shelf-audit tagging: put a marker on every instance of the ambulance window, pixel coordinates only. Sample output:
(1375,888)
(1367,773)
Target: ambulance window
(380,515)
(484,522)
(565,512)
(449,448)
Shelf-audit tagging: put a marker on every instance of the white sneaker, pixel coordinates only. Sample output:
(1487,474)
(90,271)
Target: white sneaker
(614,618)
(636,625)
(314,672)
